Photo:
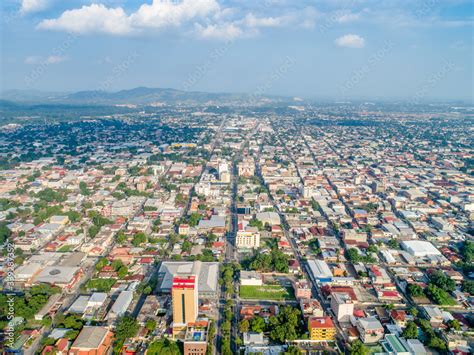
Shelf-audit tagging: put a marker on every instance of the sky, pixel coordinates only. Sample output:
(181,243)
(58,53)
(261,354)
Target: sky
(338,49)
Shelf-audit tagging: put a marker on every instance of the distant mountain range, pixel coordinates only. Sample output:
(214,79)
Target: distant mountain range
(139,96)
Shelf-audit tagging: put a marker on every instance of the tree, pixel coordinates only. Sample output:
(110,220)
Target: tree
(257,325)
(292,350)
(73,216)
(353,255)
(436,343)
(410,331)
(163,347)
(101,263)
(413,311)
(454,324)
(468,286)
(83,189)
(439,279)
(138,239)
(439,296)
(186,246)
(372,248)
(357,348)
(150,325)
(120,237)
(415,290)
(256,223)
(194,219)
(5,233)
(285,326)
(126,327)
(244,326)
(73,321)
(393,244)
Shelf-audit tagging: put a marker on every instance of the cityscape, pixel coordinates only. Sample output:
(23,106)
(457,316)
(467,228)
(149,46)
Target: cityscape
(324,228)
(204,177)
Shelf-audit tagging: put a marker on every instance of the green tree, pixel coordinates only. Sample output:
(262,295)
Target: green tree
(454,324)
(83,189)
(150,325)
(257,324)
(415,290)
(126,327)
(101,263)
(163,347)
(440,280)
(120,237)
(439,296)
(5,233)
(410,331)
(244,326)
(393,244)
(468,286)
(139,238)
(292,350)
(413,311)
(353,255)
(357,348)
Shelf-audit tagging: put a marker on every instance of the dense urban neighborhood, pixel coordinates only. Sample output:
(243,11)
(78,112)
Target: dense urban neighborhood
(283,229)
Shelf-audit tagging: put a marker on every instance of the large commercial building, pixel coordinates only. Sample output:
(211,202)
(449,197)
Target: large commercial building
(420,248)
(250,278)
(185,302)
(92,341)
(207,274)
(320,270)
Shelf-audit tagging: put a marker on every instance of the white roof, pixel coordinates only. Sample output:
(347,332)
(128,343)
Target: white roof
(319,269)
(123,301)
(57,274)
(206,272)
(79,305)
(420,248)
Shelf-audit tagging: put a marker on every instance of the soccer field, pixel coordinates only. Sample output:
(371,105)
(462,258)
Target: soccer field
(266,292)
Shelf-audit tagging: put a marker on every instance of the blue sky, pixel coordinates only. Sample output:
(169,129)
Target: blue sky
(314,49)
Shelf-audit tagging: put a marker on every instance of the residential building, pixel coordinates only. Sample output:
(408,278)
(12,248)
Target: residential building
(370,330)
(342,306)
(321,328)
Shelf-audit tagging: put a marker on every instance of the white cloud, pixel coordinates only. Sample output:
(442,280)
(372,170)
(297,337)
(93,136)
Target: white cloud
(350,17)
(223,31)
(52,59)
(204,18)
(32,60)
(350,41)
(89,19)
(29,6)
(253,21)
(55,59)
(97,18)
(171,13)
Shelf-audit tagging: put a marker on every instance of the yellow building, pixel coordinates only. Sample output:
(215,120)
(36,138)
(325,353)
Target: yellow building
(184,295)
(321,328)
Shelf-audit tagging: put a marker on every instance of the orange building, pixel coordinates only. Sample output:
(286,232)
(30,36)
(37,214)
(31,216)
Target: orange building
(184,293)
